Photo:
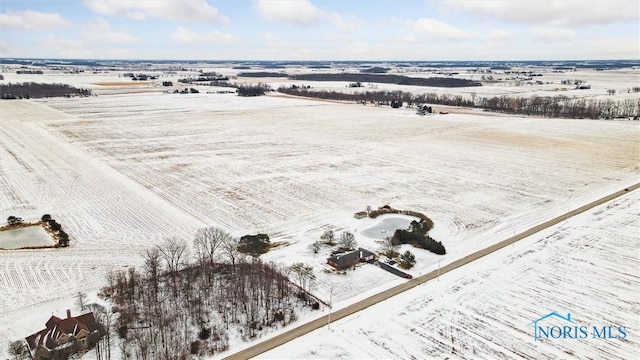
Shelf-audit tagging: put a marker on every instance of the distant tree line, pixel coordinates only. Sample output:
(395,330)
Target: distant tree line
(29,72)
(389,79)
(261,74)
(32,90)
(253,90)
(559,106)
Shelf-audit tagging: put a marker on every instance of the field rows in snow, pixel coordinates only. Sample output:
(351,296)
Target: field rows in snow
(588,266)
(110,219)
(279,163)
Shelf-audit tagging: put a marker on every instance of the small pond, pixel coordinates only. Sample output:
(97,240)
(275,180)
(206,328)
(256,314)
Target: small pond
(26,236)
(387,227)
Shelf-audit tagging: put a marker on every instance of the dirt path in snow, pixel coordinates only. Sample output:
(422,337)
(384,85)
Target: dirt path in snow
(303,329)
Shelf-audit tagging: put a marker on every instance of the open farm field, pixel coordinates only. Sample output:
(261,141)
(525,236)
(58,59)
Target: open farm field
(122,172)
(587,267)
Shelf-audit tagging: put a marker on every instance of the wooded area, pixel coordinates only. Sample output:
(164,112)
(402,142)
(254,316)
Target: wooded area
(175,306)
(559,106)
(32,90)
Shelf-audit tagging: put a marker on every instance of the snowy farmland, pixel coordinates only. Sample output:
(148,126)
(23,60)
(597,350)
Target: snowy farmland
(587,266)
(122,172)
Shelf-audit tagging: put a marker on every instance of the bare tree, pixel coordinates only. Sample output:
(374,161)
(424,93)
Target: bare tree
(230,249)
(152,269)
(348,240)
(328,237)
(17,349)
(315,246)
(174,251)
(81,300)
(388,248)
(207,242)
(105,318)
(303,276)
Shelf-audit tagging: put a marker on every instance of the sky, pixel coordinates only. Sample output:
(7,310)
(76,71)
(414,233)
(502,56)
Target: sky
(481,30)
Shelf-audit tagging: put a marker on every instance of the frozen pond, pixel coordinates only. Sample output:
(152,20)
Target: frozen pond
(26,236)
(387,227)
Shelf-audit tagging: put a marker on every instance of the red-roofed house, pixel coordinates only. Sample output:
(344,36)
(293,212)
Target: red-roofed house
(64,337)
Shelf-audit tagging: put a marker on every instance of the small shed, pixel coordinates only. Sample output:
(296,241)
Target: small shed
(360,214)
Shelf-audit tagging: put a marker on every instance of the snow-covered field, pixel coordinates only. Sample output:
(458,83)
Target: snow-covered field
(588,267)
(122,172)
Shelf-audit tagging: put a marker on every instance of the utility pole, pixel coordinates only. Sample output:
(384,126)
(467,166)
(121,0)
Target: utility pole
(330,306)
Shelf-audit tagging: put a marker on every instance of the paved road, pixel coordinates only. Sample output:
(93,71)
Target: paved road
(303,329)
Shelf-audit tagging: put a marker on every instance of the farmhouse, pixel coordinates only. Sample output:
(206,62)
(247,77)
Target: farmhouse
(64,337)
(344,261)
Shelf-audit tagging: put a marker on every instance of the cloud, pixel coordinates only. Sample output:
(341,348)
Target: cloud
(500,35)
(31,20)
(551,34)
(555,13)
(101,30)
(347,23)
(187,36)
(193,10)
(438,31)
(300,13)
(66,48)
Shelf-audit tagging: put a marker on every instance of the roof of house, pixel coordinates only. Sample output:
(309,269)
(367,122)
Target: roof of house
(56,327)
(345,260)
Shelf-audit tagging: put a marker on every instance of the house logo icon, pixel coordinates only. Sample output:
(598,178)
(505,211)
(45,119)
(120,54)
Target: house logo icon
(539,331)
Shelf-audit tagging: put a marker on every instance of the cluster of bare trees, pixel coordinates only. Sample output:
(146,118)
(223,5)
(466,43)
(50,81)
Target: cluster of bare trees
(563,107)
(556,106)
(181,303)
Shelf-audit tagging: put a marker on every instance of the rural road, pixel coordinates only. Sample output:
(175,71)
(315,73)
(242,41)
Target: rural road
(303,329)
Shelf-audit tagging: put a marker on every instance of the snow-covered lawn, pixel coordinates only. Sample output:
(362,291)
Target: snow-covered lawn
(588,266)
(122,172)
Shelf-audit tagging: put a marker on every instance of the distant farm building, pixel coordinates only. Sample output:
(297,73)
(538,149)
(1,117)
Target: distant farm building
(64,337)
(345,261)
(360,215)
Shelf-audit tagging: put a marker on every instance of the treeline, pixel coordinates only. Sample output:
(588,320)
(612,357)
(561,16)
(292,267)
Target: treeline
(32,90)
(389,79)
(178,304)
(258,74)
(557,106)
(252,90)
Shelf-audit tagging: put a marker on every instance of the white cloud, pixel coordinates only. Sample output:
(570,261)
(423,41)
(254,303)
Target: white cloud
(66,48)
(188,36)
(552,34)
(193,10)
(347,23)
(300,13)
(555,13)
(31,20)
(432,29)
(4,49)
(500,35)
(101,30)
